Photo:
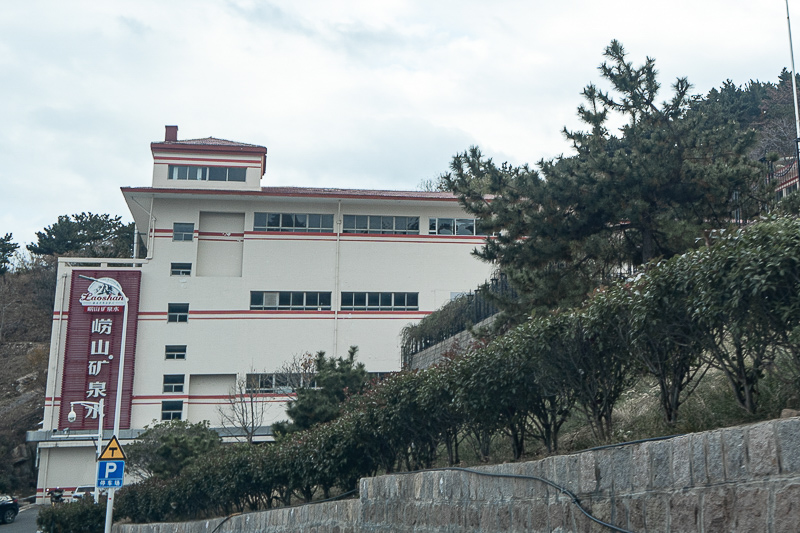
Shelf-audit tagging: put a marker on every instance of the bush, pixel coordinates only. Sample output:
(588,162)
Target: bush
(84,516)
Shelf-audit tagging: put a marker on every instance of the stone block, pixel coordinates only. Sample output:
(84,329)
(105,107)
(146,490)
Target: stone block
(622,468)
(660,464)
(539,516)
(503,517)
(488,519)
(574,473)
(578,520)
(717,509)
(520,517)
(640,458)
(636,514)
(473,517)
(787,509)
(788,433)
(560,475)
(762,457)
(733,443)
(605,469)
(656,513)
(681,462)
(751,509)
(588,473)
(715,460)
(684,512)
(603,510)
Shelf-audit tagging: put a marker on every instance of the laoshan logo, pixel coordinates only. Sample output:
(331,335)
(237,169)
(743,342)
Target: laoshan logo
(103,296)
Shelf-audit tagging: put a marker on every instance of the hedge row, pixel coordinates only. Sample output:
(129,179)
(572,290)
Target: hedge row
(734,306)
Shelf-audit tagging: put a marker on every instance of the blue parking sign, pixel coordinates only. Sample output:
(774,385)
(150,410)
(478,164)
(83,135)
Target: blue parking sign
(110,474)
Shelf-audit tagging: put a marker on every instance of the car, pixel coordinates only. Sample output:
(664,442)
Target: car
(9,508)
(84,491)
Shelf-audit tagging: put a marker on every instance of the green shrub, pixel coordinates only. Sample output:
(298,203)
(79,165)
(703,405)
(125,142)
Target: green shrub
(84,516)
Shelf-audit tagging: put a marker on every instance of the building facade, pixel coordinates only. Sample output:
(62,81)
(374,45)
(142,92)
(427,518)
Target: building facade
(235,281)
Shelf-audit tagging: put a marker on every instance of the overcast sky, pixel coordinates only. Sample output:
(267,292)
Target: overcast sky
(362,94)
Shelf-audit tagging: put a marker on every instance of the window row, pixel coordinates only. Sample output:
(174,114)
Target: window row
(380,224)
(278,383)
(314,301)
(370,224)
(453,226)
(290,301)
(197,173)
(293,222)
(289,382)
(380,301)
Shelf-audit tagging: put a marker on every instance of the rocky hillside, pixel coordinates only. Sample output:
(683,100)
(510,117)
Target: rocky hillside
(22,385)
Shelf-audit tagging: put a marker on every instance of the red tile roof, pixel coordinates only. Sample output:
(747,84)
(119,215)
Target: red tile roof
(210,141)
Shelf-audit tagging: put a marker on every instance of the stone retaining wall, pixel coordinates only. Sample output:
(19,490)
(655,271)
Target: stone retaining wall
(738,479)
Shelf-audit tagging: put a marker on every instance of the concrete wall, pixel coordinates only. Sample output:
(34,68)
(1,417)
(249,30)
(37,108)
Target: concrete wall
(738,479)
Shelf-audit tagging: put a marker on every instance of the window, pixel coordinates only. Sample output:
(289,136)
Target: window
(182,231)
(178,313)
(380,224)
(173,382)
(171,410)
(180,269)
(380,301)
(278,383)
(453,226)
(294,222)
(290,301)
(195,173)
(174,351)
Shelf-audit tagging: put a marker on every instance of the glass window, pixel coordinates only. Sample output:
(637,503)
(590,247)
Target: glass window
(259,383)
(217,174)
(175,351)
(180,269)
(173,382)
(465,226)
(182,231)
(237,173)
(178,313)
(259,222)
(171,410)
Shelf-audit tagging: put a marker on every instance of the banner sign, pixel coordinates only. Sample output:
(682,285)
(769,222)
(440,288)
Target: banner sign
(92,348)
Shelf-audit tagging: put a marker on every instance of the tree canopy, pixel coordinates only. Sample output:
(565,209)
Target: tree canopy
(336,379)
(7,249)
(166,448)
(85,235)
(673,171)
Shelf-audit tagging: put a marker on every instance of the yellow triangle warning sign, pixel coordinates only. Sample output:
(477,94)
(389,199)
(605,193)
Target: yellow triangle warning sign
(112,451)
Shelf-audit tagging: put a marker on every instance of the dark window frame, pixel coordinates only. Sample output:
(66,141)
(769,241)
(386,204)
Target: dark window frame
(180,269)
(175,352)
(172,383)
(177,313)
(183,231)
(171,410)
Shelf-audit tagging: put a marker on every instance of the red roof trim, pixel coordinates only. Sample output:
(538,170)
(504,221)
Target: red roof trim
(301,192)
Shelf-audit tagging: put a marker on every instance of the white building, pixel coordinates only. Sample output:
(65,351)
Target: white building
(238,279)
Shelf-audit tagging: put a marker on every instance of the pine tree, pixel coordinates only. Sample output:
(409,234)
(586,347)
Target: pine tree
(673,171)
